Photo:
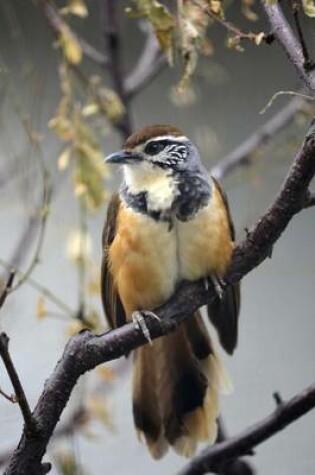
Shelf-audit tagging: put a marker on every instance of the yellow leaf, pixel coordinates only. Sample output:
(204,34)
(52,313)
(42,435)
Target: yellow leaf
(77,7)
(259,38)
(216,7)
(62,127)
(309,7)
(41,309)
(79,246)
(98,407)
(63,159)
(106,373)
(247,10)
(70,45)
(66,463)
(90,109)
(74,328)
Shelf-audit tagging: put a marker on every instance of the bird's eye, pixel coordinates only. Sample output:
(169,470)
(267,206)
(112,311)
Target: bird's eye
(153,148)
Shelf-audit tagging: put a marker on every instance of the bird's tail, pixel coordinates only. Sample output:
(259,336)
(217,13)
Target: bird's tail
(175,390)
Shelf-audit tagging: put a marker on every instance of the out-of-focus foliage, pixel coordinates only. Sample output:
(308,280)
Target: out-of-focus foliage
(309,7)
(72,128)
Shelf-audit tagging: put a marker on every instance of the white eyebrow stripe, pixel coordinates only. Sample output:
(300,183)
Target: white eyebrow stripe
(180,138)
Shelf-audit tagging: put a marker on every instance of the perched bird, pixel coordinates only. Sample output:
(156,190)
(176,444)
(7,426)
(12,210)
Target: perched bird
(169,221)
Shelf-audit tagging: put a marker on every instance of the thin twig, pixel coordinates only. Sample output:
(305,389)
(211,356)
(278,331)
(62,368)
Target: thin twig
(245,152)
(7,287)
(110,24)
(30,424)
(9,397)
(44,213)
(41,289)
(234,30)
(57,24)
(285,36)
(308,63)
(85,350)
(221,454)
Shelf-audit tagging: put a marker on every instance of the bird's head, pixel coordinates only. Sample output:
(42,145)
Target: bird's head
(162,164)
(156,149)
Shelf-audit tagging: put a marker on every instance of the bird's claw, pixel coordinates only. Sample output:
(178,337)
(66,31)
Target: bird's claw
(138,319)
(218,283)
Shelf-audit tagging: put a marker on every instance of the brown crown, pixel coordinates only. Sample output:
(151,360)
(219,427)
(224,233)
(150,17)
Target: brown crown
(149,132)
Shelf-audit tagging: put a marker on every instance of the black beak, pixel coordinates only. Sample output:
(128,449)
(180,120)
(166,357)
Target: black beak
(123,157)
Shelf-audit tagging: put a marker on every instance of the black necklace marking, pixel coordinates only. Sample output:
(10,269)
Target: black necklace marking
(139,202)
(194,194)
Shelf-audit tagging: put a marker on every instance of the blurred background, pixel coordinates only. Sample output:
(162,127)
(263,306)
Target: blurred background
(60,252)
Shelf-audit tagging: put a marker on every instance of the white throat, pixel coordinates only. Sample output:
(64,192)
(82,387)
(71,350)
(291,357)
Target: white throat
(159,185)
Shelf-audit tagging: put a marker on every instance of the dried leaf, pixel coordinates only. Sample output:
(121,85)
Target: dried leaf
(93,320)
(106,373)
(62,127)
(70,45)
(77,7)
(247,10)
(66,463)
(217,8)
(41,308)
(259,38)
(90,109)
(64,157)
(161,20)
(97,405)
(309,7)
(234,42)
(74,328)
(79,246)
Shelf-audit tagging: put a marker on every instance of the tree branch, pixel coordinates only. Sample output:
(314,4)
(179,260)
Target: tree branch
(232,29)
(308,63)
(221,454)
(285,36)
(243,154)
(85,350)
(112,41)
(149,64)
(30,425)
(57,24)
(7,287)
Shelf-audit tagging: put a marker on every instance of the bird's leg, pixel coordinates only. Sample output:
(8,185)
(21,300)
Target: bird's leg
(218,283)
(138,319)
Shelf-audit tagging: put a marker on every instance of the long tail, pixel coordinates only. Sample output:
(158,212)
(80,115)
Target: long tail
(175,390)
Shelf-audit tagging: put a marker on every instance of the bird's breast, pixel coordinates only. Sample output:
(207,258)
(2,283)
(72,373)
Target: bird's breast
(148,257)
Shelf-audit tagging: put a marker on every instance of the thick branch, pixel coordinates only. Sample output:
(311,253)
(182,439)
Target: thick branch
(242,155)
(222,453)
(285,36)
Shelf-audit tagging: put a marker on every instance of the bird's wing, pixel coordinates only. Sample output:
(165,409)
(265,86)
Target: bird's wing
(224,312)
(113,307)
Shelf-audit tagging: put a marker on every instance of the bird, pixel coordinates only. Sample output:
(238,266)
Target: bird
(168,222)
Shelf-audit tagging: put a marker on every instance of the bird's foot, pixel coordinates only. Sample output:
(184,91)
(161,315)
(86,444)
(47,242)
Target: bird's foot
(218,283)
(138,319)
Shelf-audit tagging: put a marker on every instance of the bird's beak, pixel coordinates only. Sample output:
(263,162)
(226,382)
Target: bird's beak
(123,157)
